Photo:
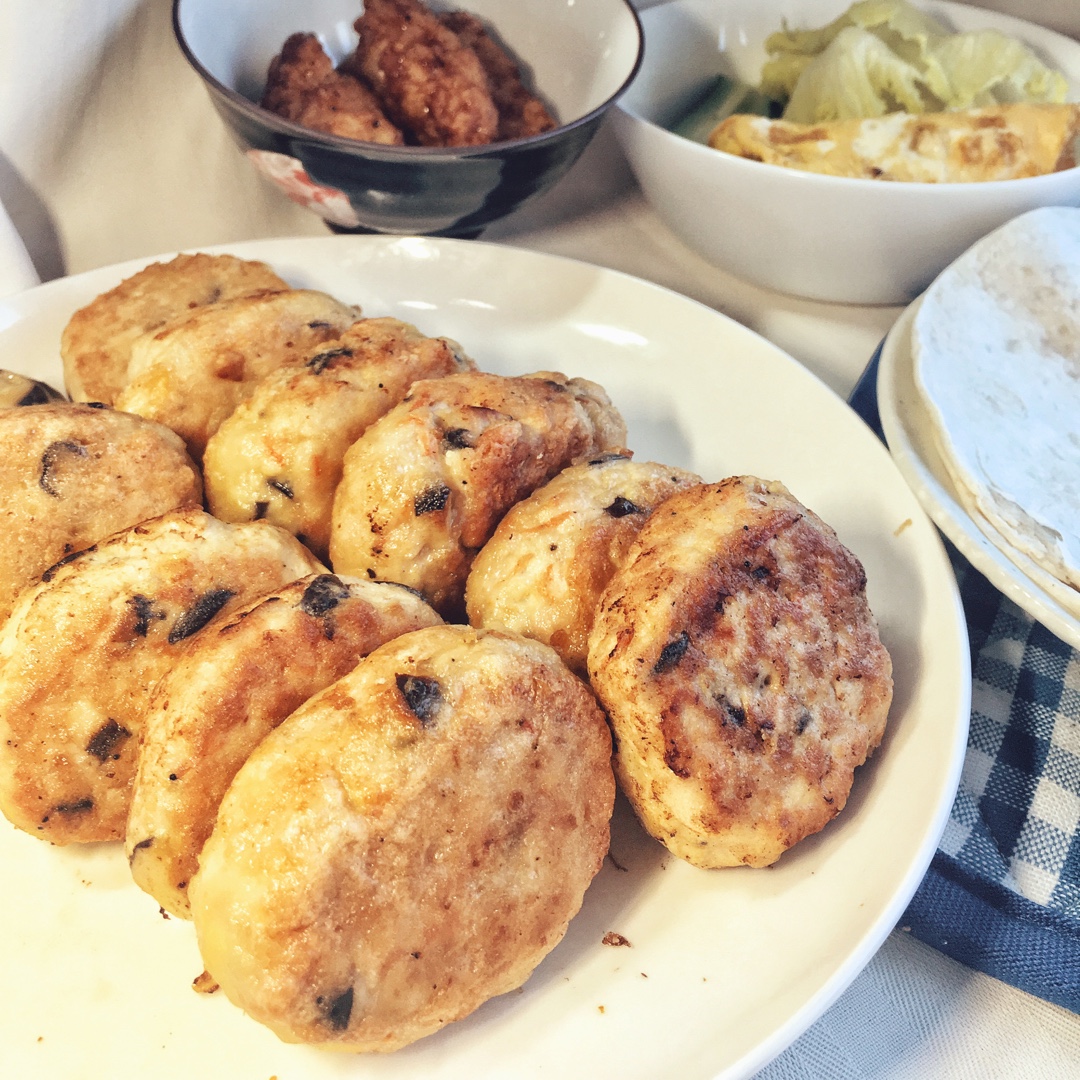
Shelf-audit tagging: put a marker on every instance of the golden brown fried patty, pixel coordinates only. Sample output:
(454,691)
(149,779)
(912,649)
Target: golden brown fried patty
(542,572)
(71,474)
(235,683)
(424,487)
(409,843)
(17,390)
(82,650)
(194,371)
(521,113)
(430,84)
(96,343)
(742,672)
(279,456)
(303,86)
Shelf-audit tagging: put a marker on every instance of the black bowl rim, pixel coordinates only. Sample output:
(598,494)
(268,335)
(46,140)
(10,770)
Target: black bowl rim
(378,150)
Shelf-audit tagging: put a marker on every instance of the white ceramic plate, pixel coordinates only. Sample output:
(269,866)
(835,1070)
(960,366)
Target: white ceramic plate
(909,432)
(724,969)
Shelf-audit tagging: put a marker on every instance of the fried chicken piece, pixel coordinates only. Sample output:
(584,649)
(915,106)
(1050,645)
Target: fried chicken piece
(521,113)
(429,82)
(302,86)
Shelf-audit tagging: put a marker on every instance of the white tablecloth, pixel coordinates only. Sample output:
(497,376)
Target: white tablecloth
(109,149)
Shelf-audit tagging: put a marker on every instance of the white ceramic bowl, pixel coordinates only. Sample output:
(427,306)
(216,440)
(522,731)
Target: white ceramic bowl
(580,57)
(821,237)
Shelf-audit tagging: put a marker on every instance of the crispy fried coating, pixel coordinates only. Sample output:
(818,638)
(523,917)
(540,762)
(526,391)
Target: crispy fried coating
(742,672)
(521,113)
(95,345)
(83,648)
(194,371)
(303,86)
(409,843)
(544,568)
(16,390)
(279,456)
(424,487)
(430,84)
(216,705)
(72,474)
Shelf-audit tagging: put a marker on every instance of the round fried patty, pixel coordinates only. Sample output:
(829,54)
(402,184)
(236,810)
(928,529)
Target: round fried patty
(424,487)
(192,372)
(83,649)
(278,457)
(235,683)
(742,672)
(543,570)
(73,474)
(409,843)
(96,343)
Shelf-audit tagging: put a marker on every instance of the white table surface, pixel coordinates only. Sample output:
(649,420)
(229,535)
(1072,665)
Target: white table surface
(110,149)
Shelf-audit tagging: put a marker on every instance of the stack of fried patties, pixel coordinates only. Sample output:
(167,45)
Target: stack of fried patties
(347,641)
(416,78)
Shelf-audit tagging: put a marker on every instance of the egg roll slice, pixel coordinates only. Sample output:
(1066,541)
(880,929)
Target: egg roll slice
(1004,142)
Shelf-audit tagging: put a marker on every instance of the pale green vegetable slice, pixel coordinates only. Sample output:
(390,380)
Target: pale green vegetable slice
(908,31)
(884,56)
(780,75)
(988,68)
(857,75)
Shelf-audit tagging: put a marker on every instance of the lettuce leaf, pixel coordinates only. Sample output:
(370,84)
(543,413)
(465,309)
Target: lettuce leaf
(885,56)
(987,67)
(857,75)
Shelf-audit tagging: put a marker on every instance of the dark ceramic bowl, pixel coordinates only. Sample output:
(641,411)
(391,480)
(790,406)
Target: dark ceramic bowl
(578,56)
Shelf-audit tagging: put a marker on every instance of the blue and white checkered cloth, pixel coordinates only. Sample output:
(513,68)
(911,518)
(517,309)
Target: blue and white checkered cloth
(1003,891)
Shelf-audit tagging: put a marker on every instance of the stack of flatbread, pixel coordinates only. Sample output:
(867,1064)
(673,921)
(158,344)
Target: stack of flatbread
(996,343)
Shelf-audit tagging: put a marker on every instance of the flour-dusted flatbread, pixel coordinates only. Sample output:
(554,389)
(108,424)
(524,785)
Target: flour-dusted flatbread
(996,347)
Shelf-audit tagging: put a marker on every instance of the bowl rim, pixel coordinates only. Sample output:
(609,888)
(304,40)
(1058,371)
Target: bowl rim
(806,177)
(256,112)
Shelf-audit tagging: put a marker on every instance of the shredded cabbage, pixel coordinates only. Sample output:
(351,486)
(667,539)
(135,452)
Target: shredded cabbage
(988,68)
(857,75)
(885,56)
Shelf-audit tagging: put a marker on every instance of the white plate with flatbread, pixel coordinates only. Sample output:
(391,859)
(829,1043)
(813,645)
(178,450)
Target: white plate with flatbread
(994,375)
(721,969)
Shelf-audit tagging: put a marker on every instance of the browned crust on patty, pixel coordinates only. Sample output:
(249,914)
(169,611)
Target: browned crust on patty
(216,705)
(424,487)
(95,345)
(83,649)
(409,843)
(543,570)
(72,474)
(742,670)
